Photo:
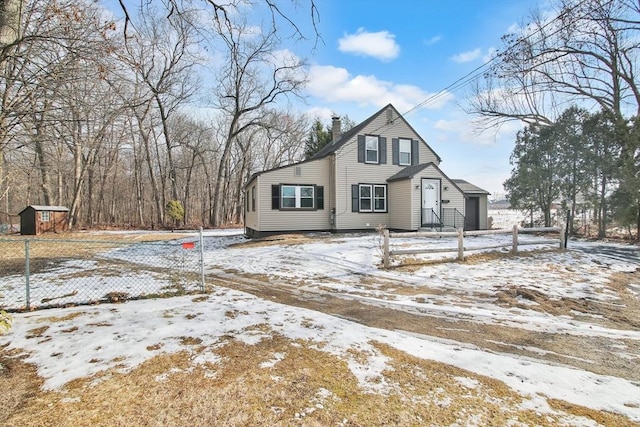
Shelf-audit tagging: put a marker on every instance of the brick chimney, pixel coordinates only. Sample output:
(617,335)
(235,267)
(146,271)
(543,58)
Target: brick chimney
(336,132)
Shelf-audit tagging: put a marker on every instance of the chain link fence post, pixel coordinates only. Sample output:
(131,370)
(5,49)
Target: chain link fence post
(37,273)
(26,273)
(202,286)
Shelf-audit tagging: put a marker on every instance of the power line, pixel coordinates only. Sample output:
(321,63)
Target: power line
(474,74)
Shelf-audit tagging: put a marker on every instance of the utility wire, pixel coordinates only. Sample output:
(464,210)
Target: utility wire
(474,74)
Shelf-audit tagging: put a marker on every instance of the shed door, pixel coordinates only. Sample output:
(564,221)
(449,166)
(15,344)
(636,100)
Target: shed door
(472,213)
(430,201)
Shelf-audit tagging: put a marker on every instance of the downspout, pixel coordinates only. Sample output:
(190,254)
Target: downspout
(333,219)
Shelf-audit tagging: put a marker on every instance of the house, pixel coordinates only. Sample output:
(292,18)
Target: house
(381,172)
(36,219)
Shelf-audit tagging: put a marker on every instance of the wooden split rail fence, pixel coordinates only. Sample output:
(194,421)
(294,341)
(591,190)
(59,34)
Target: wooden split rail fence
(460,234)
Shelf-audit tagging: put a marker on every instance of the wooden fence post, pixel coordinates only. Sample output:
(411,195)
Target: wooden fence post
(385,257)
(562,237)
(460,244)
(514,250)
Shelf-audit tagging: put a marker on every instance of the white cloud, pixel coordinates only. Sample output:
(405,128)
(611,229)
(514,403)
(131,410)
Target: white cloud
(490,54)
(433,40)
(466,131)
(514,29)
(467,56)
(380,45)
(324,114)
(334,84)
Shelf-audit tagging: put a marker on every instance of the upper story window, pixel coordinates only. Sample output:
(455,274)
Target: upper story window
(404,146)
(371,149)
(45,216)
(405,151)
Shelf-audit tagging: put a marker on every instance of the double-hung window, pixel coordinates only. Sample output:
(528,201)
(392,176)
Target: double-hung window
(371,149)
(365,198)
(379,198)
(297,197)
(253,198)
(404,146)
(372,198)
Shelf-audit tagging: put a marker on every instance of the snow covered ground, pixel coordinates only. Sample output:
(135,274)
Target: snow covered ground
(122,334)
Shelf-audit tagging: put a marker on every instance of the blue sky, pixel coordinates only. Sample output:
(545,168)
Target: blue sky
(403,52)
(375,52)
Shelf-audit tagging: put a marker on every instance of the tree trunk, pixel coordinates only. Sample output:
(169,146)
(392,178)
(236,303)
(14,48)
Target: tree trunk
(602,217)
(167,141)
(224,161)
(152,176)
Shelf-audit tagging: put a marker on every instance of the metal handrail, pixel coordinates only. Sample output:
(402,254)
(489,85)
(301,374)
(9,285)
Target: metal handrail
(434,218)
(452,217)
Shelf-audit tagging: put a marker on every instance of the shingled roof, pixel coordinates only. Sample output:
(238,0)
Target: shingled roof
(468,188)
(410,171)
(344,138)
(348,135)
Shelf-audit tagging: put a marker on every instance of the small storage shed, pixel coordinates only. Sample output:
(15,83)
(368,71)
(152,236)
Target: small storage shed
(476,205)
(35,219)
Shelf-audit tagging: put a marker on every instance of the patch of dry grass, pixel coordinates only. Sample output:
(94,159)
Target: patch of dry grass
(277,382)
(49,248)
(19,383)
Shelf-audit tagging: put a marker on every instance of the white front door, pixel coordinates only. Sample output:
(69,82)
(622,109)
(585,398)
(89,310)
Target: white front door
(430,201)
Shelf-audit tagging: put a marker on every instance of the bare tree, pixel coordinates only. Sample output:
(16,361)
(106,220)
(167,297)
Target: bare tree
(161,61)
(100,120)
(254,78)
(588,52)
(10,16)
(58,55)
(225,11)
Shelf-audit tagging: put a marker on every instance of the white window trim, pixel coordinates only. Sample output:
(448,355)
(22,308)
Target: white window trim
(360,187)
(253,198)
(372,189)
(45,216)
(298,197)
(369,138)
(400,151)
(373,195)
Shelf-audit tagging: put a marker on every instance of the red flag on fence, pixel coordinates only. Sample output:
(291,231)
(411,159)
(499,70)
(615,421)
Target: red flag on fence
(188,245)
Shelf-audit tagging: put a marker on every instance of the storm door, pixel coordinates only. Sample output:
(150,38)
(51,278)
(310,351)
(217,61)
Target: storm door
(430,202)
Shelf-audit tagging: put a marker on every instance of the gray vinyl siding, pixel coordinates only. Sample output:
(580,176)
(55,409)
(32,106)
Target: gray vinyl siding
(349,172)
(251,216)
(338,169)
(266,219)
(402,204)
(483,224)
(448,191)
(455,196)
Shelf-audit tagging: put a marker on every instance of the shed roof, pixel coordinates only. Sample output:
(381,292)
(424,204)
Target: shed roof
(46,208)
(468,188)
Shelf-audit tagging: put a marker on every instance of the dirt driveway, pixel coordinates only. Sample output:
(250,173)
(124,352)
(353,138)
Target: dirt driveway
(597,353)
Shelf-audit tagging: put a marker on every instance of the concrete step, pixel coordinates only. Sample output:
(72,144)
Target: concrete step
(438,229)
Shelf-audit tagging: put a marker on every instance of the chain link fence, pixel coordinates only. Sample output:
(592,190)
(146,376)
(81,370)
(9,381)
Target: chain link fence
(40,273)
